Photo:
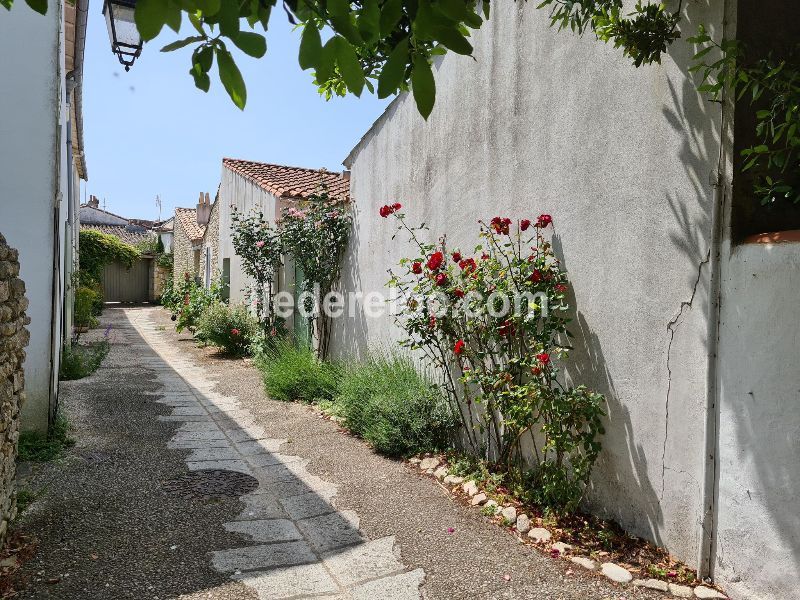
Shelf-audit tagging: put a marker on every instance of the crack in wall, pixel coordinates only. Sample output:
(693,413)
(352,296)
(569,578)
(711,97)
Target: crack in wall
(672,326)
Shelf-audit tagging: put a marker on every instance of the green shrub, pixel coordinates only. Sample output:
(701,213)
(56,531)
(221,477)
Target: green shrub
(295,373)
(85,299)
(79,361)
(189,301)
(229,328)
(387,402)
(38,447)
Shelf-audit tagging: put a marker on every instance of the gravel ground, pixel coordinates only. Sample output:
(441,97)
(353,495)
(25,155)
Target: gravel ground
(105,499)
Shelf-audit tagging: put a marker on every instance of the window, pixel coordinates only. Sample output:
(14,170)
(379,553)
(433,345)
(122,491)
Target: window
(226,278)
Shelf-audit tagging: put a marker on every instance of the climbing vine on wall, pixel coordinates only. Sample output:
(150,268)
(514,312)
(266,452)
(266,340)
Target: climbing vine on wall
(96,250)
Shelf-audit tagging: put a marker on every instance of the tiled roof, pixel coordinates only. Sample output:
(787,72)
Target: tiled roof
(130,234)
(289,182)
(187,217)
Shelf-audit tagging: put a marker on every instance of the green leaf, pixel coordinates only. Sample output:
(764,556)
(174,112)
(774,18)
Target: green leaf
(453,40)
(393,72)
(251,43)
(455,9)
(150,17)
(231,78)
(338,8)
(391,12)
(201,80)
(310,47)
(40,6)
(203,57)
(327,61)
(173,17)
(423,86)
(229,19)
(369,20)
(209,7)
(349,66)
(182,43)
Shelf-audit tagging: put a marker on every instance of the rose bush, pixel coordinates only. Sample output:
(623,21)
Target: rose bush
(495,324)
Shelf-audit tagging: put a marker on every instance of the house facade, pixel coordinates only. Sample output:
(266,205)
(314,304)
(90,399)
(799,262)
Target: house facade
(41,138)
(254,187)
(188,248)
(685,323)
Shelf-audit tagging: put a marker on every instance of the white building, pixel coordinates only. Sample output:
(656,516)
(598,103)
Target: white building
(41,165)
(687,322)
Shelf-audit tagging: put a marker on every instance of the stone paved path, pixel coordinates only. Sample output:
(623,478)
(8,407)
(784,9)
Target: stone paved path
(306,548)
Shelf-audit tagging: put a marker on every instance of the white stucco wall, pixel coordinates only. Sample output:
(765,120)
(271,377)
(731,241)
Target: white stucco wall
(624,160)
(758,514)
(31,133)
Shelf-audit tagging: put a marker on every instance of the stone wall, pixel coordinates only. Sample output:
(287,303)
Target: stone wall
(211,241)
(13,339)
(183,255)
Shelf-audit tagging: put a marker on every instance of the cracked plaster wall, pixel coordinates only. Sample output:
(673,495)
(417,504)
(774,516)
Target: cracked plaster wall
(624,160)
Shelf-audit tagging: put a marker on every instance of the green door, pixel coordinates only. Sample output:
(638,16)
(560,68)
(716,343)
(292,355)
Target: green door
(301,330)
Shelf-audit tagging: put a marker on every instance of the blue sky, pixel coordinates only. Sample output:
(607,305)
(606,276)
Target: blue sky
(150,131)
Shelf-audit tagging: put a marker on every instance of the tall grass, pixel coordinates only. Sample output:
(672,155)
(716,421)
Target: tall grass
(386,401)
(294,373)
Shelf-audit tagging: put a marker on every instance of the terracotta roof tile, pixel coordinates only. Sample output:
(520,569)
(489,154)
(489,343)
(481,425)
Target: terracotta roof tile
(130,234)
(187,217)
(289,182)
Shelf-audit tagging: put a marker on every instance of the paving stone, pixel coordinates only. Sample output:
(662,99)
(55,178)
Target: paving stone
(585,562)
(275,473)
(429,463)
(202,436)
(440,473)
(219,453)
(478,499)
(245,434)
(261,557)
(453,480)
(268,460)
(266,530)
(615,573)
(331,531)
(523,524)
(404,586)
(286,489)
(261,506)
(193,444)
(509,514)
(362,562)
(702,591)
(306,506)
(191,411)
(681,591)
(290,582)
(653,584)
(259,446)
(220,465)
(470,488)
(200,426)
(187,418)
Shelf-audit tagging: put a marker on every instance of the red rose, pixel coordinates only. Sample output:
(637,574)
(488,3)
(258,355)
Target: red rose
(543,357)
(441,279)
(435,261)
(536,370)
(235,331)
(459,347)
(506,329)
(544,221)
(416,267)
(432,322)
(396,206)
(561,288)
(536,276)
(500,224)
(484,256)
(385,211)
(468,265)
(456,256)
(458,293)
(524,224)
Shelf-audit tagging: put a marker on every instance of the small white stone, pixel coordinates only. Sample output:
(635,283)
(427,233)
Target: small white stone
(616,573)
(470,488)
(561,547)
(453,480)
(653,584)
(523,524)
(681,591)
(491,504)
(440,473)
(478,499)
(539,534)
(414,461)
(509,514)
(586,563)
(702,591)
(429,463)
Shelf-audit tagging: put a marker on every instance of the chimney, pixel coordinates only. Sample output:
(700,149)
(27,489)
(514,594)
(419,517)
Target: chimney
(94,202)
(346,175)
(203,209)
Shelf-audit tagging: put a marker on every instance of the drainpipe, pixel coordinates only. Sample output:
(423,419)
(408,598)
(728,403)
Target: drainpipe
(720,242)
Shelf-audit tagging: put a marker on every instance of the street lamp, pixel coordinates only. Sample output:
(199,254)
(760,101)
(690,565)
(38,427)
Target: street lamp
(126,42)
